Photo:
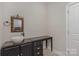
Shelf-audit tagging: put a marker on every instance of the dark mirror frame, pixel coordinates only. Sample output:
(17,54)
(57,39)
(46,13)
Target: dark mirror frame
(17,29)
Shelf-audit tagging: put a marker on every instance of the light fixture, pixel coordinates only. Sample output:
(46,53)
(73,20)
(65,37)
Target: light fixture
(6,23)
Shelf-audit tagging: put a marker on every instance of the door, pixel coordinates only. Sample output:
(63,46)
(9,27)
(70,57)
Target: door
(73,29)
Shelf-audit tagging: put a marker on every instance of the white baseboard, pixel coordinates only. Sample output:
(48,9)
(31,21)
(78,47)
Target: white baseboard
(58,53)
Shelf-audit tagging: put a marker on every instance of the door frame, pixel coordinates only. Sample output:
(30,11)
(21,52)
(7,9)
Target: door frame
(67,26)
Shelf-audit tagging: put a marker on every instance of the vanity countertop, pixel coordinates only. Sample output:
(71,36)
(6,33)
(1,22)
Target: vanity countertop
(36,38)
(27,40)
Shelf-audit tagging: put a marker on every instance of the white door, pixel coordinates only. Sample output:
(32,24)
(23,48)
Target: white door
(73,28)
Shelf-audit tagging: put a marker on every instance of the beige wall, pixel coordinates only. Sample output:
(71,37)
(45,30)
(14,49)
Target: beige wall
(1,17)
(35,21)
(39,19)
(57,26)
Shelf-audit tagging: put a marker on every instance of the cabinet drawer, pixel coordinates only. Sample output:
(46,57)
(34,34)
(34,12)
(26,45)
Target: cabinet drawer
(38,50)
(35,49)
(38,53)
(37,43)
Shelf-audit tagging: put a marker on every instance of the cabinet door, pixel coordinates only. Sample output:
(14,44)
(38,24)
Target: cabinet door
(26,49)
(11,51)
(37,43)
(38,48)
(38,51)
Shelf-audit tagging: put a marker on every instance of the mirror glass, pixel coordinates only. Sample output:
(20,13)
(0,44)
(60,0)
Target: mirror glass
(17,23)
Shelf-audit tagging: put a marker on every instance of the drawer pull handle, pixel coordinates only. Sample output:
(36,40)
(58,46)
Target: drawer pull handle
(21,54)
(38,48)
(38,53)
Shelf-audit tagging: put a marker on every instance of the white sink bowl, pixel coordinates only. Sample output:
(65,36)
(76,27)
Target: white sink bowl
(17,39)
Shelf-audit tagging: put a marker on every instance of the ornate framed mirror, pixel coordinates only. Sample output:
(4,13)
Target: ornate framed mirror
(17,24)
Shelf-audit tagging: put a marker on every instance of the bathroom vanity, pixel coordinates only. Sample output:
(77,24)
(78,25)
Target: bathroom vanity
(28,47)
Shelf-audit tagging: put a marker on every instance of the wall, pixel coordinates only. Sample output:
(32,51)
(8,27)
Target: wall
(57,26)
(35,21)
(39,19)
(1,17)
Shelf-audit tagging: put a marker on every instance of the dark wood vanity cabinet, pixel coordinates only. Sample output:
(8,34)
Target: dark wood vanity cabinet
(10,51)
(32,49)
(26,49)
(29,47)
(38,48)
